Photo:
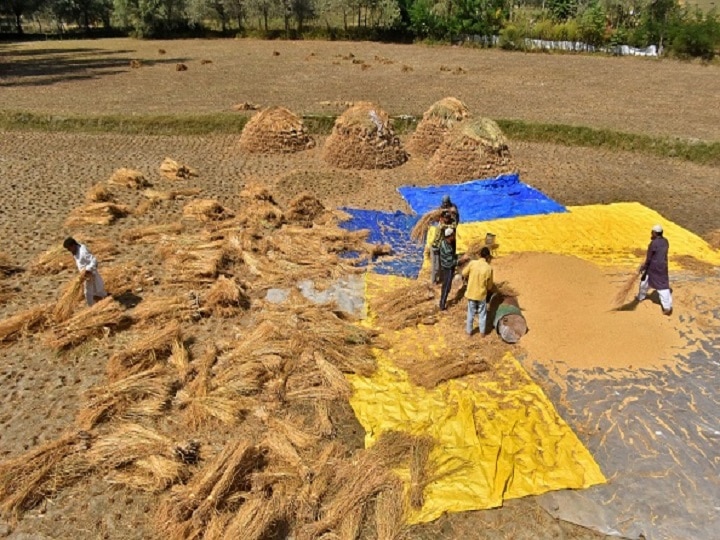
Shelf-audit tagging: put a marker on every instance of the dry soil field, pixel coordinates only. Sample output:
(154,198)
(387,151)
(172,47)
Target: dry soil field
(43,176)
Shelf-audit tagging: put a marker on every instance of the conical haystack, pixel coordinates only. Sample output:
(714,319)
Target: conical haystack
(475,148)
(362,138)
(435,123)
(275,130)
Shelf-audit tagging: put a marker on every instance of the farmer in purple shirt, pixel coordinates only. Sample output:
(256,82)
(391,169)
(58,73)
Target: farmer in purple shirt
(655,270)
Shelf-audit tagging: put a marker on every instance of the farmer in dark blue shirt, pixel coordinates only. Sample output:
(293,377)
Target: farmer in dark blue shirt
(655,270)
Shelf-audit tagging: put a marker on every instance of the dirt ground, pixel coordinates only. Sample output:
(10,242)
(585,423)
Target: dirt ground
(44,176)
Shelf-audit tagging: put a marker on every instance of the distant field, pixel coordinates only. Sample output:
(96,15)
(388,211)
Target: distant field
(705,5)
(634,95)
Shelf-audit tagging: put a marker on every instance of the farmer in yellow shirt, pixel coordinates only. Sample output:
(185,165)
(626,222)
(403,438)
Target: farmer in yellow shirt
(479,276)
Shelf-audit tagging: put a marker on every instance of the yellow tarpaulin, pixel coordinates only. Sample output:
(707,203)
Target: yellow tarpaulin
(497,434)
(609,235)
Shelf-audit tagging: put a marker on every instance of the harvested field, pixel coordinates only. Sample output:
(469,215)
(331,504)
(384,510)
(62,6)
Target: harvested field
(290,381)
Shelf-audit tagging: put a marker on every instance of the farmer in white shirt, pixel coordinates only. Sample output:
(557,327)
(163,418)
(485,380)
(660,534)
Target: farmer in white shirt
(88,266)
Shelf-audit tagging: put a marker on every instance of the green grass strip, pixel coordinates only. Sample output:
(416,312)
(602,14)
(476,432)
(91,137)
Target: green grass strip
(702,152)
(696,151)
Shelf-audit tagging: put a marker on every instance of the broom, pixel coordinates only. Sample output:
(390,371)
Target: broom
(624,292)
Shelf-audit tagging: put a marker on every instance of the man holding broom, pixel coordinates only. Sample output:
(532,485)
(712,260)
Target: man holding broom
(87,265)
(655,270)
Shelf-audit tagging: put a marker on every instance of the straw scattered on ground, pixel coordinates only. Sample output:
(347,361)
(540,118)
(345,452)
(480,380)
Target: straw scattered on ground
(99,319)
(144,352)
(25,322)
(407,306)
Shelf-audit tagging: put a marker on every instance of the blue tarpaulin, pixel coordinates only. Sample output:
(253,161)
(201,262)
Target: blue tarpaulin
(481,200)
(391,228)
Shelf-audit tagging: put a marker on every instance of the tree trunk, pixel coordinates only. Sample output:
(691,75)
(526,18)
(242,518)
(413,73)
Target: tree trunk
(18,23)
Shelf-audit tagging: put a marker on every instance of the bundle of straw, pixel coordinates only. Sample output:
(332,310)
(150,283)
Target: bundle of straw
(419,470)
(140,395)
(139,457)
(206,210)
(390,512)
(99,193)
(225,298)
(419,232)
(406,306)
(257,516)
(21,323)
(629,285)
(156,308)
(106,314)
(101,213)
(70,296)
(43,471)
(449,365)
(172,170)
(144,352)
(187,512)
(150,233)
(128,178)
(54,260)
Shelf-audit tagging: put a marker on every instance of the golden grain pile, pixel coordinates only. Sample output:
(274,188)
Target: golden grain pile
(275,130)
(475,148)
(362,138)
(435,123)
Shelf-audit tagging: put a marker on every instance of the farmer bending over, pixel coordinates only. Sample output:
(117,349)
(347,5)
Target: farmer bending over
(88,266)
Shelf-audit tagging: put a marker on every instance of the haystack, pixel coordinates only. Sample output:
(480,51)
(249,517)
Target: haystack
(103,213)
(363,138)
(474,148)
(275,130)
(435,123)
(172,170)
(128,178)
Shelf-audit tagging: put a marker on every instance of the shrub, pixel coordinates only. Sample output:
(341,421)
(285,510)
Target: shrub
(511,38)
(697,36)
(543,29)
(567,31)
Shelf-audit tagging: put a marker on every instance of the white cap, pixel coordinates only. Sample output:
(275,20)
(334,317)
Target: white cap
(449,231)
(657,229)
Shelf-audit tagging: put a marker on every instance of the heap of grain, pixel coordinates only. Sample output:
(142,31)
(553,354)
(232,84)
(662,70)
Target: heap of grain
(275,130)
(435,124)
(362,138)
(475,148)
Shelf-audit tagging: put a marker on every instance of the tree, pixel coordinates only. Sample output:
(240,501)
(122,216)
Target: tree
(20,8)
(301,11)
(83,12)
(263,9)
(150,17)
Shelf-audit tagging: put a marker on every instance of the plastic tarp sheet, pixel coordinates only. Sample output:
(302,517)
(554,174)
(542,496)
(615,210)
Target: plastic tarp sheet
(481,200)
(608,235)
(498,437)
(392,228)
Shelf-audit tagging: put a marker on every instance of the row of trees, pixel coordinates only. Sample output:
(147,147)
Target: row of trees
(596,22)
